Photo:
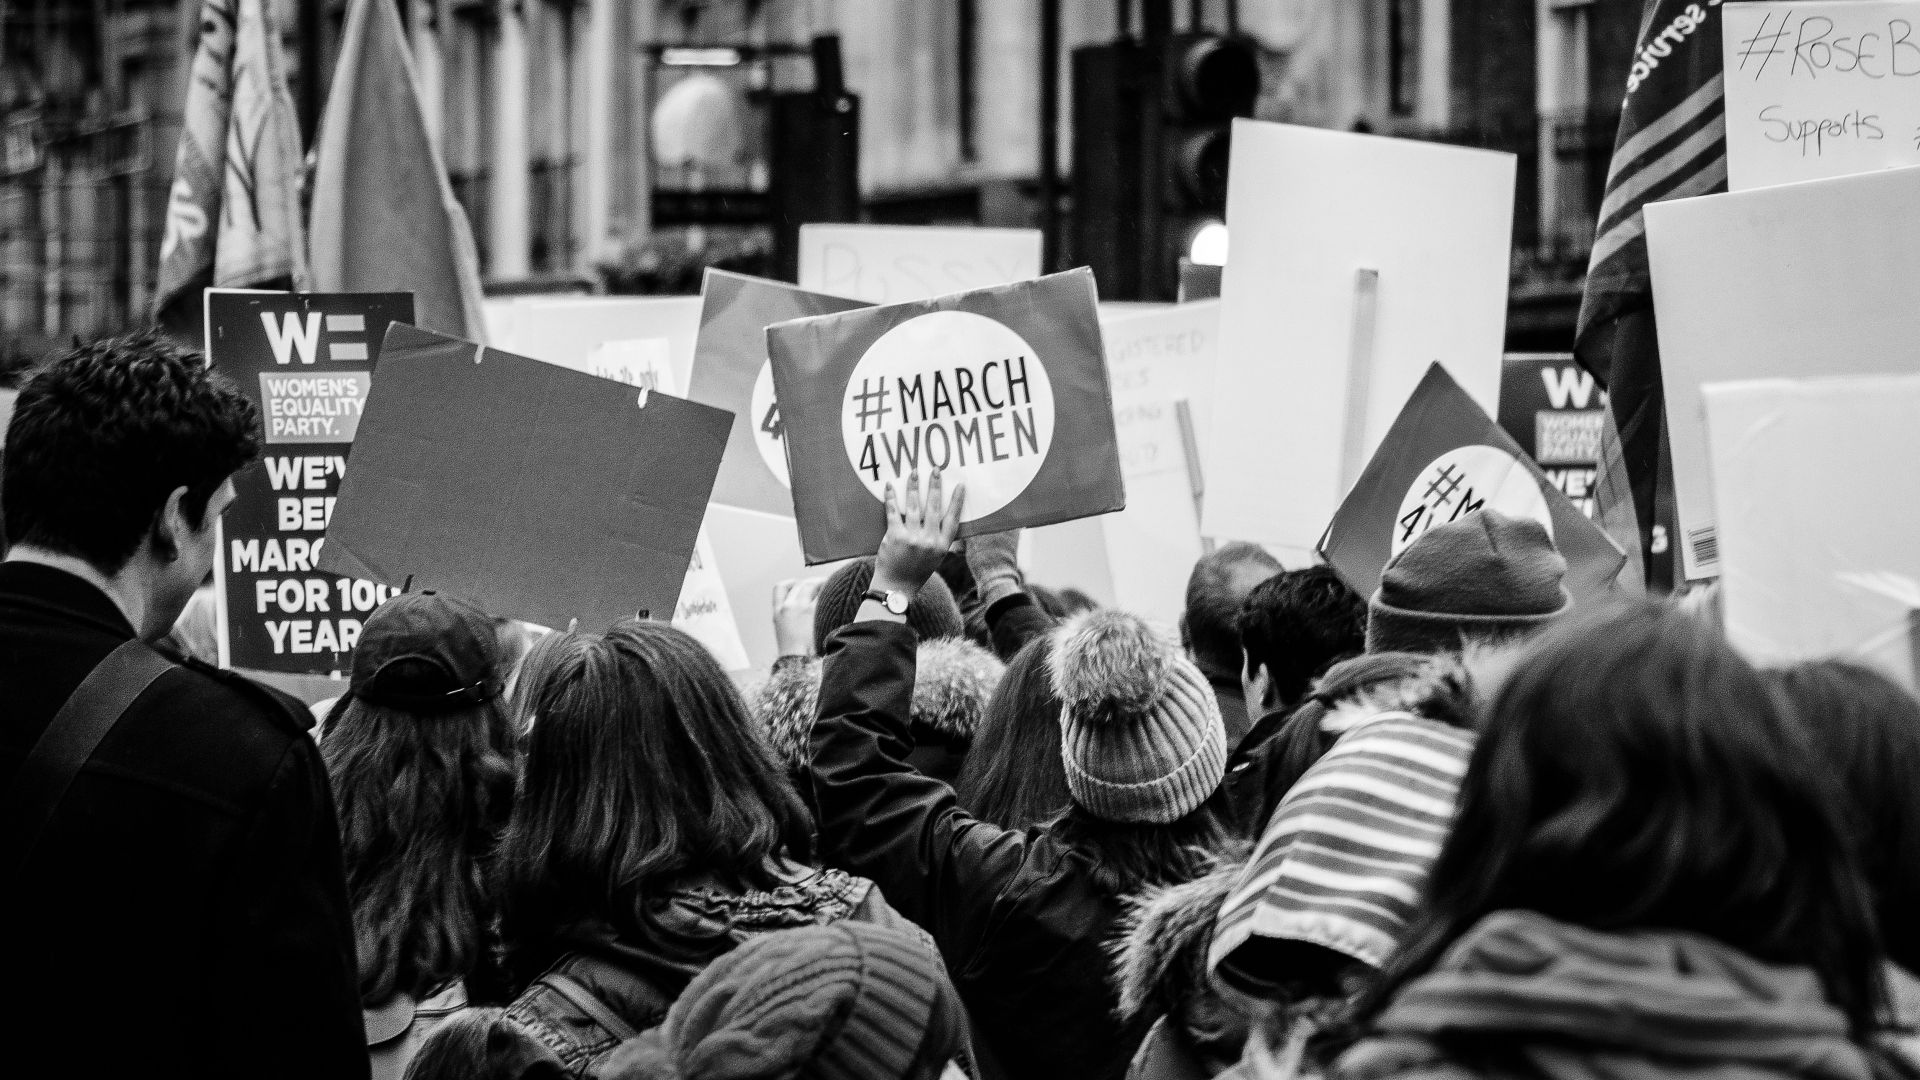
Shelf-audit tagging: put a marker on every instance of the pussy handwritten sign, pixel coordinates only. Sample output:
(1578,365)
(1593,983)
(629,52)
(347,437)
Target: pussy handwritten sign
(1003,390)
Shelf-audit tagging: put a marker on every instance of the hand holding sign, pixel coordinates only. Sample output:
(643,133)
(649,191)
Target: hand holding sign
(918,535)
(1005,388)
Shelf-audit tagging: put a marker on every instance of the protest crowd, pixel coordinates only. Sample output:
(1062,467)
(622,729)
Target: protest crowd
(1371,757)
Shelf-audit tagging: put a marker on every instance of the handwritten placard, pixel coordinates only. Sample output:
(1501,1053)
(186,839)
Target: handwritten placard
(1820,89)
(893,264)
(1158,358)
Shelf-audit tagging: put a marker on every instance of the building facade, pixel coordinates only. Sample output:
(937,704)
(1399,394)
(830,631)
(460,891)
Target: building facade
(563,122)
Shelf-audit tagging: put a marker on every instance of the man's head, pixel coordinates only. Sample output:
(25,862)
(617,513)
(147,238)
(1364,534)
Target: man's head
(1219,584)
(1484,579)
(120,454)
(1292,627)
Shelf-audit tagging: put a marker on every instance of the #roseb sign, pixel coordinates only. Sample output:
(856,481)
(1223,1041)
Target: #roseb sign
(307,360)
(1004,390)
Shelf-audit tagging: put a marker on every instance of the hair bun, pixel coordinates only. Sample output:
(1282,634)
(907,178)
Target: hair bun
(1109,663)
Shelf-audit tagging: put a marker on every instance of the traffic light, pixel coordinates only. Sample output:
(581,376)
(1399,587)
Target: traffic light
(1152,130)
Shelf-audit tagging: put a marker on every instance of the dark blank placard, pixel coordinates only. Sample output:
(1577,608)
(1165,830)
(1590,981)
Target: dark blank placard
(537,492)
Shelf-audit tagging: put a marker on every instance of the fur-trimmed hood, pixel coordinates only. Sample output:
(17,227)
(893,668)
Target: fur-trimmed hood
(953,681)
(1444,687)
(1159,947)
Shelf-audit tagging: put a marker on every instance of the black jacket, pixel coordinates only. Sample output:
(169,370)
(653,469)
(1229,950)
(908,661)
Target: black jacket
(1017,914)
(185,912)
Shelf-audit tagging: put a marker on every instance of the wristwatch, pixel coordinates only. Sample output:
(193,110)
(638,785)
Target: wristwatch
(893,600)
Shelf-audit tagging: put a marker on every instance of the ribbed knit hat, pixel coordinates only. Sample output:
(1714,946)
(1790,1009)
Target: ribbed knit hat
(1346,856)
(1140,731)
(1485,573)
(933,613)
(847,1001)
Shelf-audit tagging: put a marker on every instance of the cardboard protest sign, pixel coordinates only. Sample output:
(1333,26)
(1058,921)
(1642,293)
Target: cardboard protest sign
(307,360)
(1443,459)
(1818,509)
(1804,279)
(703,610)
(1004,390)
(1160,365)
(1552,408)
(731,371)
(568,330)
(538,492)
(892,264)
(1357,262)
(1817,90)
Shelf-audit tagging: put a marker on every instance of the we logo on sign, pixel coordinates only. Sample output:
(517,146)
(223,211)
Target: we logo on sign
(297,335)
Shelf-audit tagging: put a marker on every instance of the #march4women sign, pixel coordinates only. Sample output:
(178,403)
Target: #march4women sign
(1003,390)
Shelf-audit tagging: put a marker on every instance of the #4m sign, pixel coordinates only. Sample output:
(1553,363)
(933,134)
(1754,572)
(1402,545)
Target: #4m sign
(1003,390)
(731,372)
(307,361)
(1443,459)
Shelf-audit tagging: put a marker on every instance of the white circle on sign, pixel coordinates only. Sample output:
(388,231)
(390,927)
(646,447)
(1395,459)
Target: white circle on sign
(955,391)
(768,433)
(1465,479)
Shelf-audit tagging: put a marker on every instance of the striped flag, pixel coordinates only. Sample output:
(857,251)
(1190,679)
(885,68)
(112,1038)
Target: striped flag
(1671,145)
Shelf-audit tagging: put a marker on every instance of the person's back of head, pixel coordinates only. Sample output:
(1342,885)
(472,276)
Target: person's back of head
(119,457)
(420,758)
(1635,775)
(1144,750)
(1012,775)
(1485,578)
(642,767)
(850,1001)
(933,613)
(1216,588)
(1294,626)
(1867,727)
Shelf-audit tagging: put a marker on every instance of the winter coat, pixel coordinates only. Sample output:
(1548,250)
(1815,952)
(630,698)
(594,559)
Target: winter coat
(549,1030)
(193,872)
(1019,915)
(1284,744)
(1160,972)
(1523,997)
(396,1029)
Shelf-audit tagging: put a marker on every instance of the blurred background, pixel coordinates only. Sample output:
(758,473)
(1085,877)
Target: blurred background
(624,145)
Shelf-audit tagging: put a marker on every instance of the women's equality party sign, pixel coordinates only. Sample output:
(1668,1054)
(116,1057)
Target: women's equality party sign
(1004,390)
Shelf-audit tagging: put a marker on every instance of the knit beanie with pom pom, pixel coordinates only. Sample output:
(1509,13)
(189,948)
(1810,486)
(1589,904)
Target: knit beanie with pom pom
(848,1001)
(1140,731)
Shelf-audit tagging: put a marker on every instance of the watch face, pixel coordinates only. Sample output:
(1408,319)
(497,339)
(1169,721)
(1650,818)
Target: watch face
(897,603)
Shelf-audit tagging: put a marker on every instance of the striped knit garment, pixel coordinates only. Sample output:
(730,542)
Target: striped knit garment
(1346,855)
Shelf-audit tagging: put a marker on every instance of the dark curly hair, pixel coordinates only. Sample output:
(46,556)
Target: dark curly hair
(1299,623)
(103,434)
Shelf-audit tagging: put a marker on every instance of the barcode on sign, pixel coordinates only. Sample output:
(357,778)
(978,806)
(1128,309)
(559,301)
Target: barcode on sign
(1705,545)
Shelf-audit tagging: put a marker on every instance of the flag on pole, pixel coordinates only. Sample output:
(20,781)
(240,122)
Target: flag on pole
(233,212)
(384,216)
(1671,145)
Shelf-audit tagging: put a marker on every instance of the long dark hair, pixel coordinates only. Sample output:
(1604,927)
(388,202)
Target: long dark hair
(1127,858)
(421,801)
(642,767)
(1012,776)
(1868,728)
(1634,772)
